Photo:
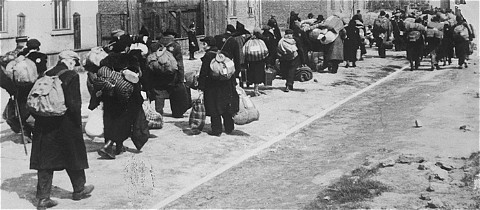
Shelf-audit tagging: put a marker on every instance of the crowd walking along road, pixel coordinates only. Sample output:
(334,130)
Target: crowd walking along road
(77,120)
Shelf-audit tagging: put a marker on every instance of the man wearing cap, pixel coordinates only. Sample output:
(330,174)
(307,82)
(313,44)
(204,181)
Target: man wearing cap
(220,97)
(192,42)
(178,93)
(58,141)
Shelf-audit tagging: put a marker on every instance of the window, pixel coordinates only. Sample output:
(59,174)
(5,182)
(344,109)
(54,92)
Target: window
(232,8)
(2,15)
(250,8)
(61,14)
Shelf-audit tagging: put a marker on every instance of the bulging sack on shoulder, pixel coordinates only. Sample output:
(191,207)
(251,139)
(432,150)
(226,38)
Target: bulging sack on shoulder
(247,112)
(46,97)
(162,62)
(22,71)
(117,86)
(255,50)
(222,67)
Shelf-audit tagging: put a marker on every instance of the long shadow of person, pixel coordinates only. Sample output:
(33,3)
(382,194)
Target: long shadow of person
(26,188)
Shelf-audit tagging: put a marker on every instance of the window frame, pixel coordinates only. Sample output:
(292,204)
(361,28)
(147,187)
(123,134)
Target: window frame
(3,16)
(56,15)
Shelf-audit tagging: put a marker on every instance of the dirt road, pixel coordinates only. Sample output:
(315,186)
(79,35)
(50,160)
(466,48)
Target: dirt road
(174,160)
(377,125)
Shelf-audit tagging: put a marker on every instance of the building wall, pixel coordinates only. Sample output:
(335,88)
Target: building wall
(249,19)
(39,25)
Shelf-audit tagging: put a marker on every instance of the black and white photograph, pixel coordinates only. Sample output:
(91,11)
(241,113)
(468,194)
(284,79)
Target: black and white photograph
(239,104)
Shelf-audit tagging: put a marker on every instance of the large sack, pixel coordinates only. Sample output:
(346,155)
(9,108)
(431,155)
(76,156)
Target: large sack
(255,50)
(94,126)
(303,74)
(412,26)
(162,62)
(335,23)
(46,97)
(247,112)
(222,67)
(22,71)
(155,119)
(114,84)
(95,55)
(460,33)
(327,37)
(287,49)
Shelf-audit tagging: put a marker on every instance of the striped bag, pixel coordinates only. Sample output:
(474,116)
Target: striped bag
(198,114)
(155,119)
(114,84)
(255,50)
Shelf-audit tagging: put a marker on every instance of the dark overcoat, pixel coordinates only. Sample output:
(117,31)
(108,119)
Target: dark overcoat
(334,50)
(118,117)
(352,43)
(58,141)
(192,38)
(219,96)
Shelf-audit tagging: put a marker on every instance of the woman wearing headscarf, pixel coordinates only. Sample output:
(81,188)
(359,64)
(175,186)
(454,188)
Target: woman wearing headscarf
(256,69)
(352,43)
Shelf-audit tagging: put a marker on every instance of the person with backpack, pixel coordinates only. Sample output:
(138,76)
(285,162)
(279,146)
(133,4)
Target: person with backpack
(434,36)
(461,37)
(415,41)
(220,39)
(172,85)
(122,101)
(382,29)
(31,52)
(233,46)
(256,52)
(220,96)
(290,55)
(58,140)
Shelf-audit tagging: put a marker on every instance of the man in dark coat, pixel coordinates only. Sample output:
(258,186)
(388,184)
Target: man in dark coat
(32,52)
(177,92)
(192,42)
(58,141)
(233,48)
(220,96)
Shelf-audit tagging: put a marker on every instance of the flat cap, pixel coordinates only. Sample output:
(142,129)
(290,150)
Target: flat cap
(209,40)
(33,43)
(68,54)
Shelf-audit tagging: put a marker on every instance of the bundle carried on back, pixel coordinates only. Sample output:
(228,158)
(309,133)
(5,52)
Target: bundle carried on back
(287,49)
(113,83)
(22,71)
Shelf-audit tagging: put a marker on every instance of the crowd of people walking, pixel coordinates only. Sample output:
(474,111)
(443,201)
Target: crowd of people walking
(128,65)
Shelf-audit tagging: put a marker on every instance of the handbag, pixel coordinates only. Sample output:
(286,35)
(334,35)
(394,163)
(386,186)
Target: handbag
(155,119)
(247,112)
(94,125)
(198,114)
(11,117)
(140,132)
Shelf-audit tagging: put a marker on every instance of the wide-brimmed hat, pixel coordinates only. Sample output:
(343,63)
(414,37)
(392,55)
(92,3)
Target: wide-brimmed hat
(209,40)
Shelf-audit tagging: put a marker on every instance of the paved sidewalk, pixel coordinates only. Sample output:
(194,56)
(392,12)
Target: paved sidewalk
(174,160)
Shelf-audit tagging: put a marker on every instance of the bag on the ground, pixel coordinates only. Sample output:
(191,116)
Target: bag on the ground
(114,84)
(414,36)
(162,63)
(222,67)
(270,74)
(247,112)
(94,126)
(303,74)
(460,33)
(387,44)
(198,114)
(287,49)
(255,50)
(11,116)
(22,71)
(46,97)
(155,119)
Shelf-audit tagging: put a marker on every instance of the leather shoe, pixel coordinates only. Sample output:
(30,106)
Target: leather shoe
(46,203)
(211,133)
(107,151)
(85,193)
